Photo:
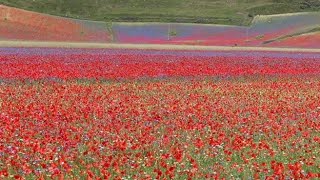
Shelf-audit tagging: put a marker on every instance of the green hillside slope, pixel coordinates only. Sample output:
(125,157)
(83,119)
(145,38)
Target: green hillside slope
(237,12)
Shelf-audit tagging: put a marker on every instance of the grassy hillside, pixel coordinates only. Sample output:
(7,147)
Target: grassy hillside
(237,12)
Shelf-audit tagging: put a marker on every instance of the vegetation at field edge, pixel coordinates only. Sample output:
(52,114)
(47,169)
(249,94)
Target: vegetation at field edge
(232,12)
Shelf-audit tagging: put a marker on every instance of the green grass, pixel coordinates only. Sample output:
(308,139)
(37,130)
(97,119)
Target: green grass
(236,12)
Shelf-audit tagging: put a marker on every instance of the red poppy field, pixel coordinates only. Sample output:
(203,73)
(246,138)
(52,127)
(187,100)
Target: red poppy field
(159,116)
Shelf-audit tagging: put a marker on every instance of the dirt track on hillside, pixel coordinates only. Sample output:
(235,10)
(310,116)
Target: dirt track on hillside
(146,46)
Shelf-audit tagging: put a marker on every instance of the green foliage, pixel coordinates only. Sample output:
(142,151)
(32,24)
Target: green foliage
(173,33)
(235,12)
(285,6)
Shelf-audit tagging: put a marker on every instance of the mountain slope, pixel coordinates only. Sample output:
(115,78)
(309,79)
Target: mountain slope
(236,12)
(282,30)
